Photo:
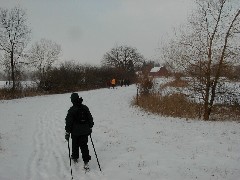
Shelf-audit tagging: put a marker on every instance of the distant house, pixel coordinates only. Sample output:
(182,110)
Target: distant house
(158,72)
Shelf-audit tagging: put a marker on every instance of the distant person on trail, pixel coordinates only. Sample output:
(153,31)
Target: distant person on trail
(108,84)
(113,82)
(127,82)
(79,123)
(122,82)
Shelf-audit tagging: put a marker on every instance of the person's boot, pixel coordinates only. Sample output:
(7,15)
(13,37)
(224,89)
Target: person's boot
(75,160)
(86,166)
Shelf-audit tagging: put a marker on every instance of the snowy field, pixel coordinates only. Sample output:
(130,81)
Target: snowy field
(131,145)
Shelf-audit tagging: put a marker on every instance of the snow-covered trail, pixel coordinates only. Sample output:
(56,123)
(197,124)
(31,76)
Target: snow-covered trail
(33,135)
(130,144)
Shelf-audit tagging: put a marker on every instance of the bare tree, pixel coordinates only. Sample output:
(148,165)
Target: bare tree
(208,47)
(42,55)
(125,58)
(14,36)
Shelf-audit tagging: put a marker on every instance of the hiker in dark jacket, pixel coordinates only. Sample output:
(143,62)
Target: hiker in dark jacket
(79,123)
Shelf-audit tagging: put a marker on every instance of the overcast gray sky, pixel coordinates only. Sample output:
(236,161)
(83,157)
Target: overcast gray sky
(87,29)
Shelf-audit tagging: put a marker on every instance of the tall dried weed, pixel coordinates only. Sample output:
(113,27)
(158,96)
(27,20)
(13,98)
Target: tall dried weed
(174,105)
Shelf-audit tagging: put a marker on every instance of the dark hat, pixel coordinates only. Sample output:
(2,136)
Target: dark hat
(74,97)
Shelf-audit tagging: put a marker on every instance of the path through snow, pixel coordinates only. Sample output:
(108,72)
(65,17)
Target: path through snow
(130,144)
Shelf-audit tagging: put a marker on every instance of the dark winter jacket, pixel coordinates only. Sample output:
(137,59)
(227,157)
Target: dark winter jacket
(79,120)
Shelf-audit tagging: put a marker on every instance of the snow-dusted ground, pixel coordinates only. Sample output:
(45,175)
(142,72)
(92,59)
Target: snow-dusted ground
(131,145)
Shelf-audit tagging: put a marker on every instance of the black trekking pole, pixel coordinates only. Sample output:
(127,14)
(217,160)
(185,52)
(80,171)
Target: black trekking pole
(70,158)
(95,153)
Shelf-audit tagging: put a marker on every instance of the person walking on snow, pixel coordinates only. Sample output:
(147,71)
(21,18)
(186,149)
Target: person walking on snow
(79,123)
(113,82)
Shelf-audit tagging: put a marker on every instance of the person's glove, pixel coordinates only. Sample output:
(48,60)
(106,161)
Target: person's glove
(67,135)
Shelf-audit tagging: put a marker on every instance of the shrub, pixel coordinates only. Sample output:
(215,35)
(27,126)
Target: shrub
(175,83)
(174,105)
(6,93)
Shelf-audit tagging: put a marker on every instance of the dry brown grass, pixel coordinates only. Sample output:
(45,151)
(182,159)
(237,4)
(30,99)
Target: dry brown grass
(6,94)
(175,105)
(226,113)
(178,105)
(175,83)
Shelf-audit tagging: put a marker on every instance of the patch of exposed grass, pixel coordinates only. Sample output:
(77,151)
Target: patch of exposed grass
(176,83)
(6,94)
(178,105)
(226,113)
(175,105)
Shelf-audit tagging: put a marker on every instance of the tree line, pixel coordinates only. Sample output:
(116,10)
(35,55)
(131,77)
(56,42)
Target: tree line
(120,62)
